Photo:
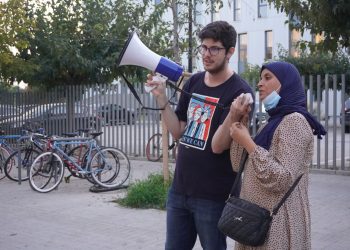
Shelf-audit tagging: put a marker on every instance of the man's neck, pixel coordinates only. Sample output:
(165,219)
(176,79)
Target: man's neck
(216,79)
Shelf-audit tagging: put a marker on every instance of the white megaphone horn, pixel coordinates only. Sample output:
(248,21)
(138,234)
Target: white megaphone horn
(136,53)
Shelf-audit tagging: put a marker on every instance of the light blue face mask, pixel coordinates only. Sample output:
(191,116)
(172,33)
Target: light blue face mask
(271,100)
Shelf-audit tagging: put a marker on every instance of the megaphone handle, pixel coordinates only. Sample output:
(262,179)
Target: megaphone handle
(156,77)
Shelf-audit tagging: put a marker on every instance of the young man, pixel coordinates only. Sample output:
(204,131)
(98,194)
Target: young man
(203,174)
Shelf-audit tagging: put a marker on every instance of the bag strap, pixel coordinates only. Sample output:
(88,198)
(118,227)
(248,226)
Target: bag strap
(285,197)
(238,177)
(244,158)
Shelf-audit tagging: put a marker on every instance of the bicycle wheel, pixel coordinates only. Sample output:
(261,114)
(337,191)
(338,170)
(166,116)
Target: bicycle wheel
(154,148)
(4,155)
(46,172)
(110,167)
(15,167)
(78,155)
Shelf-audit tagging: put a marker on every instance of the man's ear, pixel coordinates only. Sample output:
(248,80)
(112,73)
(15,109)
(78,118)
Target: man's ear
(230,52)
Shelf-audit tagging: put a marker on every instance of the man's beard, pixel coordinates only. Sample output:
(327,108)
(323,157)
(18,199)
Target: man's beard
(217,69)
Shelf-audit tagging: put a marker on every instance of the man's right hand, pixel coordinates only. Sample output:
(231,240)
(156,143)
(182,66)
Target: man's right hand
(158,84)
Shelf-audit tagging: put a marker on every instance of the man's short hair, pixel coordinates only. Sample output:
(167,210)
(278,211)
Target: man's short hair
(220,31)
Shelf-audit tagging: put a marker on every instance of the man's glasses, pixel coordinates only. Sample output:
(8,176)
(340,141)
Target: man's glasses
(213,51)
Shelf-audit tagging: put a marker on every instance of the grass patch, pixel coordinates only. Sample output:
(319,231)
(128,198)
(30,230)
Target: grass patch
(149,193)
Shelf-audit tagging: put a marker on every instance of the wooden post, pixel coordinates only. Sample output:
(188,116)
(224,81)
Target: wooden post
(165,146)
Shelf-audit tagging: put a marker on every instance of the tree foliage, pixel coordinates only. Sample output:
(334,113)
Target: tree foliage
(331,18)
(318,63)
(323,63)
(61,42)
(309,65)
(15,28)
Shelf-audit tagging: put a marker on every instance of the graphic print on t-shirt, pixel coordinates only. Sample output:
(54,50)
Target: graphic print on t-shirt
(199,117)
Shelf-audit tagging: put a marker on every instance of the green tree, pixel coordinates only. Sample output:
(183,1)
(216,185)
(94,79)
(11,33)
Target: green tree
(63,42)
(153,31)
(15,30)
(331,18)
(320,64)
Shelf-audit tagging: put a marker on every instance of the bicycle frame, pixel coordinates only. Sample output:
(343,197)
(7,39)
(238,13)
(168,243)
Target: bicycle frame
(3,141)
(57,145)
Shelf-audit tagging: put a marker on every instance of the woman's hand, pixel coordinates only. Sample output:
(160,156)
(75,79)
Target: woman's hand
(240,134)
(240,108)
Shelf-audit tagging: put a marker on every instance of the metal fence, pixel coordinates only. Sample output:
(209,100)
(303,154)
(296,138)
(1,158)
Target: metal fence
(125,125)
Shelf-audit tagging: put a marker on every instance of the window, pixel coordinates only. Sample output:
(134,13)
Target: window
(294,38)
(236,10)
(268,44)
(262,8)
(242,52)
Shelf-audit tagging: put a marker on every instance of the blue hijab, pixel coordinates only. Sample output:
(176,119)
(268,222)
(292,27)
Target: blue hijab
(293,99)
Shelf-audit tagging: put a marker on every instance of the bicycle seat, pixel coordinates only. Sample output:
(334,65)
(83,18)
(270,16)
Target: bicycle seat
(74,134)
(2,132)
(95,134)
(86,130)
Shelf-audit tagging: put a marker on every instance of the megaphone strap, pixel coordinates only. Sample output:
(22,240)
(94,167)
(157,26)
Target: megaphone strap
(133,91)
(176,88)
(196,97)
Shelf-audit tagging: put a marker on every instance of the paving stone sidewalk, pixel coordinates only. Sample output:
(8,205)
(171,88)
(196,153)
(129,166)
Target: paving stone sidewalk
(73,218)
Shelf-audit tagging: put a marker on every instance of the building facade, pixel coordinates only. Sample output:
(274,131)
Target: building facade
(261,31)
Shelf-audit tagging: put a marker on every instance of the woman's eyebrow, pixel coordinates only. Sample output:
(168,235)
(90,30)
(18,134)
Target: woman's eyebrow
(266,74)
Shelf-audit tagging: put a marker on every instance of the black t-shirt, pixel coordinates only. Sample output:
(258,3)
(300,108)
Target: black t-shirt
(199,172)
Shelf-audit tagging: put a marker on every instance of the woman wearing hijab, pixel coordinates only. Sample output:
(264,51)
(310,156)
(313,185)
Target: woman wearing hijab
(280,152)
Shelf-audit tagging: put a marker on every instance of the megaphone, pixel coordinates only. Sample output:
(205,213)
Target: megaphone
(136,53)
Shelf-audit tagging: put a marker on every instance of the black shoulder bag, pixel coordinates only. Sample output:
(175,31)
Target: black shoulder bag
(244,221)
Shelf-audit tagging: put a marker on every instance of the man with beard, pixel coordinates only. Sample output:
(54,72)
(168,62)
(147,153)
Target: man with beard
(203,174)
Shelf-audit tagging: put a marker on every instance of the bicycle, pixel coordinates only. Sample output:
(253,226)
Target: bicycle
(17,164)
(108,167)
(79,154)
(154,148)
(5,151)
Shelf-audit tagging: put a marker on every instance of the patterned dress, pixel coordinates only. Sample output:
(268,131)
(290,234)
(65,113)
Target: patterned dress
(269,174)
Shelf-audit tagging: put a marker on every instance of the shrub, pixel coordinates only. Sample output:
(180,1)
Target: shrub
(149,193)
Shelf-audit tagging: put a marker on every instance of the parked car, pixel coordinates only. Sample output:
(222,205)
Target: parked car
(32,114)
(114,114)
(346,118)
(54,118)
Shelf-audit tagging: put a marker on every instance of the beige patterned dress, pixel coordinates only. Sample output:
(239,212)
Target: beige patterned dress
(269,174)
